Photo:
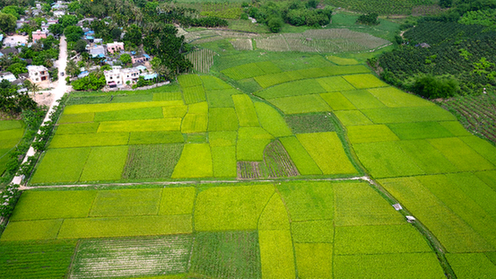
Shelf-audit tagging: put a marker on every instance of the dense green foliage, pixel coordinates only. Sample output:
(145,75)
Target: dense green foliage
(93,81)
(368,19)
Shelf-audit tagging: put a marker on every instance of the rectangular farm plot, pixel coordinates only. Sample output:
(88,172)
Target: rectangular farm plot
(222,119)
(419,130)
(194,94)
(351,240)
(456,128)
(461,155)
(311,123)
(352,117)
(132,202)
(125,226)
(386,159)
(481,146)
(224,161)
(76,118)
(92,108)
(194,123)
(167,96)
(477,189)
(195,161)
(247,116)
(314,260)
(370,133)
(362,99)
(132,257)
(408,114)
(86,140)
(155,137)
(308,200)
(271,120)
(488,177)
(406,265)
(77,128)
(327,151)
(61,165)
(357,204)
(189,80)
(225,138)
(345,70)
(130,114)
(251,143)
(165,124)
(301,104)
(214,83)
(174,111)
(273,79)
(426,157)
(332,84)
(295,88)
(32,230)
(471,265)
(176,201)
(221,98)
(276,253)
(151,161)
(274,215)
(39,205)
(364,81)
(393,97)
(231,208)
(105,163)
(244,71)
(320,231)
(337,101)
(303,161)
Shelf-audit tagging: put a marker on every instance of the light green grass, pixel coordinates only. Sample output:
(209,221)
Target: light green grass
(453,233)
(357,204)
(49,170)
(176,201)
(362,99)
(88,109)
(194,94)
(174,111)
(155,137)
(332,84)
(247,116)
(471,265)
(77,128)
(419,130)
(426,157)
(337,101)
(125,226)
(410,266)
(370,133)
(151,161)
(231,208)
(386,159)
(32,230)
(327,151)
(225,138)
(221,98)
(274,215)
(460,154)
(295,88)
(308,200)
(77,118)
(224,161)
(321,231)
(364,81)
(214,83)
(276,253)
(167,96)
(393,97)
(271,120)
(314,260)
(408,114)
(39,205)
(222,119)
(195,161)
(301,104)
(341,61)
(352,117)
(129,202)
(303,161)
(379,240)
(105,163)
(251,143)
(146,125)
(85,140)
(130,114)
(189,80)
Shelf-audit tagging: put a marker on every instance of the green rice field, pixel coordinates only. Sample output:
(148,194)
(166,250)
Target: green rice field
(11,132)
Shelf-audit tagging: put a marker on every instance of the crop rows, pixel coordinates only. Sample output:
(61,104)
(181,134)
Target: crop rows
(202,60)
(380,6)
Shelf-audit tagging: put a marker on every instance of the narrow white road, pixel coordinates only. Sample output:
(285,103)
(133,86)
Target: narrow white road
(57,94)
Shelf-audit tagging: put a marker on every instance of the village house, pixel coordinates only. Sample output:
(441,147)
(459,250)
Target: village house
(8,76)
(142,58)
(96,51)
(38,73)
(131,75)
(113,77)
(21,22)
(38,34)
(59,13)
(115,47)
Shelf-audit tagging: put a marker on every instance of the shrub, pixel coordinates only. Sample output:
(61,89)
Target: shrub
(435,87)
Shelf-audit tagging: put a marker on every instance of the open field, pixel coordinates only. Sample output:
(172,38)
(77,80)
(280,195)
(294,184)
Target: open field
(11,132)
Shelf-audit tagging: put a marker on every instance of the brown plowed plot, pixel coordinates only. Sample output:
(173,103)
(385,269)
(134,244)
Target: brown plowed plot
(477,113)
(132,257)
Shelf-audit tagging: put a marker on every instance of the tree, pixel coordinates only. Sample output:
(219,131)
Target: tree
(133,35)
(56,29)
(72,69)
(12,102)
(445,3)
(68,20)
(80,45)
(7,22)
(116,34)
(368,19)
(94,81)
(17,68)
(275,24)
(13,10)
(73,33)
(433,87)
(126,59)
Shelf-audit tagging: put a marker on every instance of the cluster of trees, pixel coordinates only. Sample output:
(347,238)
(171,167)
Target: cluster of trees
(368,19)
(275,14)
(94,81)
(43,52)
(12,102)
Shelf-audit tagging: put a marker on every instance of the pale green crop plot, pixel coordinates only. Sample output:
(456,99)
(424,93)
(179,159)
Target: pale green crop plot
(393,97)
(471,265)
(105,163)
(214,83)
(370,133)
(175,111)
(195,161)
(337,101)
(483,147)
(176,201)
(352,117)
(221,98)
(126,202)
(251,143)
(426,157)
(225,138)
(247,116)
(419,130)
(341,61)
(78,128)
(308,201)
(295,88)
(357,204)
(86,110)
(11,132)
(311,123)
(164,124)
(327,151)
(303,161)
(231,208)
(271,120)
(151,161)
(408,114)
(32,230)
(189,80)
(224,161)
(362,99)
(301,104)
(194,94)
(155,137)
(364,81)
(314,260)
(222,119)
(77,118)
(87,140)
(251,70)
(49,170)
(455,128)
(276,253)
(332,84)
(274,215)
(196,120)
(273,79)
(167,96)
(130,114)
(321,231)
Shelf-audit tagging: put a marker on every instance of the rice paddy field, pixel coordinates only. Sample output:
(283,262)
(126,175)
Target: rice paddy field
(11,132)
(270,167)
